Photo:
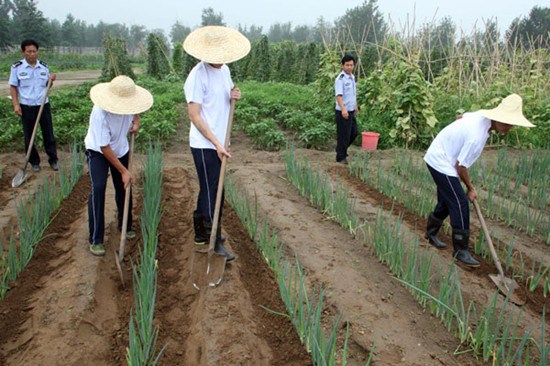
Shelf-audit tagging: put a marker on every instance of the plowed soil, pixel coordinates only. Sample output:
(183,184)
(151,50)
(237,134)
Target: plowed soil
(68,307)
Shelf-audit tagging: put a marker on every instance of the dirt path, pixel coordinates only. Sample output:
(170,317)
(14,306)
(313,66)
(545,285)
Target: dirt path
(63,78)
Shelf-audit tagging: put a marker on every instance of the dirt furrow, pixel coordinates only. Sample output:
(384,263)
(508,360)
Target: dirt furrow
(380,311)
(223,325)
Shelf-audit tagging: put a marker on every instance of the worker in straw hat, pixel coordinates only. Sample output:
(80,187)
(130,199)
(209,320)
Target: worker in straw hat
(117,105)
(208,91)
(448,158)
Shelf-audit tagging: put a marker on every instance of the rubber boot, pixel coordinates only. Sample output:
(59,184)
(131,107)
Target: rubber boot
(201,236)
(219,247)
(461,252)
(434,224)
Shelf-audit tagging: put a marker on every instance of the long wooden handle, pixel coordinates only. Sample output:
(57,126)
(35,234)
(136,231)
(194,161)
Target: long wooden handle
(126,205)
(489,241)
(31,143)
(218,205)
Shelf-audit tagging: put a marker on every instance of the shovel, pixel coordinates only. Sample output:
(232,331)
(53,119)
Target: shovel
(119,256)
(22,173)
(215,263)
(505,285)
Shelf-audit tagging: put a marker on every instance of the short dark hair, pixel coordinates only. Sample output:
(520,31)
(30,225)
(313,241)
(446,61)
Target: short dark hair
(29,42)
(347,58)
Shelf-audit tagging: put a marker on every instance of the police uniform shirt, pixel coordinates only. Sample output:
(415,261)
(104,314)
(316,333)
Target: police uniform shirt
(344,85)
(108,129)
(460,142)
(31,82)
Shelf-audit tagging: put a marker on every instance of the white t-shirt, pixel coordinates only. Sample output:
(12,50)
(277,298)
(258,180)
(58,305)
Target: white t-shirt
(108,129)
(211,88)
(462,141)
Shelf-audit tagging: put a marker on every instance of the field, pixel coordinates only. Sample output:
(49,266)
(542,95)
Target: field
(68,307)
(376,292)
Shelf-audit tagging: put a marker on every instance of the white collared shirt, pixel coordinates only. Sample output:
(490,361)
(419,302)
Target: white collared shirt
(460,142)
(108,129)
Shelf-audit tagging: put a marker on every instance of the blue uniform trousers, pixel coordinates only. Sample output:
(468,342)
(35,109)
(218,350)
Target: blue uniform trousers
(451,200)
(208,167)
(28,118)
(99,168)
(346,132)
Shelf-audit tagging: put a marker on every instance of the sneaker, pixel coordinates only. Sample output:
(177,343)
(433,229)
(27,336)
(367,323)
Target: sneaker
(97,249)
(35,168)
(54,166)
(343,161)
(130,234)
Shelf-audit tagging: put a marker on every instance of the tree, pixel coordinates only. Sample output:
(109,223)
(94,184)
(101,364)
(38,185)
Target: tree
(69,32)
(364,23)
(5,23)
(179,32)
(279,32)
(254,33)
(533,31)
(210,17)
(29,22)
(137,36)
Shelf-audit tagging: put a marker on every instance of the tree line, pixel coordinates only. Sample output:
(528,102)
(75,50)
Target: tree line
(363,24)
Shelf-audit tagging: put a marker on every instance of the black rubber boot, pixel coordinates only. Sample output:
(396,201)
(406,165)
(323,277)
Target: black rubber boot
(434,224)
(461,252)
(219,247)
(201,236)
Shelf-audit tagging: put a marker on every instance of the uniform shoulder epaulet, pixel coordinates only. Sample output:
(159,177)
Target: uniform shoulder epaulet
(43,63)
(342,75)
(18,63)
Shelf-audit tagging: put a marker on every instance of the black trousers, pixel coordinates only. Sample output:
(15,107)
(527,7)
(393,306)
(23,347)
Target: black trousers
(451,200)
(28,119)
(346,132)
(99,168)
(208,167)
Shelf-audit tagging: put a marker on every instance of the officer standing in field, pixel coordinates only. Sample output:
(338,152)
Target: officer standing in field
(28,86)
(346,109)
(450,155)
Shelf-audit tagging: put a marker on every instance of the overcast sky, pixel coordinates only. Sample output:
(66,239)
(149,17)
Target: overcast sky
(162,14)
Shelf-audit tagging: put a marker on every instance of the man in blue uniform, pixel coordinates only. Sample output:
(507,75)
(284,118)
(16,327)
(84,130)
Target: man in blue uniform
(346,109)
(28,85)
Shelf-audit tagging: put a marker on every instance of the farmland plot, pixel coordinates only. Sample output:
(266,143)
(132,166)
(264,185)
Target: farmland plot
(69,307)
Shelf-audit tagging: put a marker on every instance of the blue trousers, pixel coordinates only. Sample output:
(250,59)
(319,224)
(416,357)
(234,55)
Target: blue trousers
(28,118)
(346,132)
(99,168)
(451,200)
(208,167)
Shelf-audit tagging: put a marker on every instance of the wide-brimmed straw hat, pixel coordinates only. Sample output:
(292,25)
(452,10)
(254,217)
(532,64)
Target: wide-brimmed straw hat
(216,44)
(509,111)
(121,96)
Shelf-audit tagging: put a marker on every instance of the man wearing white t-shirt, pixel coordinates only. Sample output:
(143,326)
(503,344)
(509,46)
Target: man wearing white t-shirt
(208,92)
(114,115)
(449,157)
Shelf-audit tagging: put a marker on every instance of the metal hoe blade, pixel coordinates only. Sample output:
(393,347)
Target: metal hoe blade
(121,268)
(19,178)
(505,285)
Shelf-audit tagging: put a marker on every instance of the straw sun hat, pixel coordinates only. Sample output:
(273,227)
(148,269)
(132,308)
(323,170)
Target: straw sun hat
(121,96)
(216,44)
(509,111)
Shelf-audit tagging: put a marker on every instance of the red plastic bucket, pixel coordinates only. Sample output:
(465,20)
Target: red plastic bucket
(369,140)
